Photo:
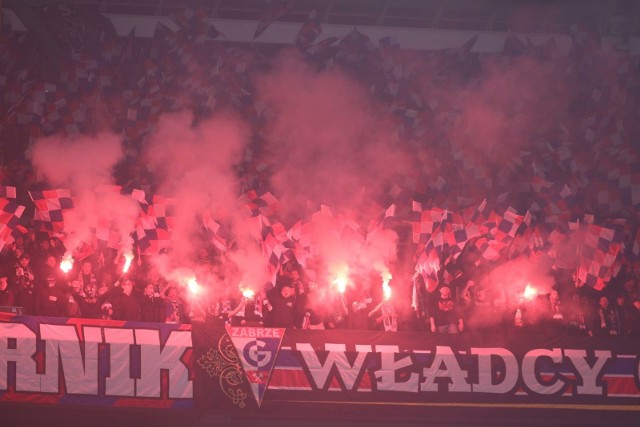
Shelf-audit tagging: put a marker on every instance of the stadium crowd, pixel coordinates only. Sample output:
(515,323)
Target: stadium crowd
(127,84)
(31,279)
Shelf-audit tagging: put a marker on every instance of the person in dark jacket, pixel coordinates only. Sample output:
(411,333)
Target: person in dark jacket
(89,300)
(50,299)
(7,297)
(176,310)
(125,305)
(24,285)
(283,306)
(151,305)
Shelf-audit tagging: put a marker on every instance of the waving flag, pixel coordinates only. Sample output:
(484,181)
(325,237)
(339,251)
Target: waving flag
(273,239)
(274,11)
(462,53)
(154,224)
(162,210)
(217,234)
(50,208)
(259,204)
(106,230)
(309,32)
(598,248)
(513,45)
(321,46)
(150,238)
(10,214)
(7,192)
(385,222)
(299,236)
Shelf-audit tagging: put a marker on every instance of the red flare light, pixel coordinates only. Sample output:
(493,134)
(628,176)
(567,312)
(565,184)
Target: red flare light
(127,262)
(193,286)
(529,292)
(66,264)
(340,284)
(386,289)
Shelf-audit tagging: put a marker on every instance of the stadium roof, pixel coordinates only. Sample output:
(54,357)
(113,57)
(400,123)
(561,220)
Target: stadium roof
(610,17)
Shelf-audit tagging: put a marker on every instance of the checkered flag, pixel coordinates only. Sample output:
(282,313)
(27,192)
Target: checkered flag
(50,208)
(10,214)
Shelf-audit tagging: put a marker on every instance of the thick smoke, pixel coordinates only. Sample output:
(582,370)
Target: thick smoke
(81,163)
(506,288)
(247,264)
(105,212)
(327,145)
(252,267)
(510,278)
(85,164)
(510,103)
(193,163)
(325,140)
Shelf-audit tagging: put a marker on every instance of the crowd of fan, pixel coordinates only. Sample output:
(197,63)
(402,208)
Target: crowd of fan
(96,288)
(459,306)
(31,278)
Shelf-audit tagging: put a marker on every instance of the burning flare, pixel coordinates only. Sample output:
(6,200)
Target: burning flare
(67,263)
(386,289)
(340,283)
(193,286)
(128,257)
(248,293)
(529,292)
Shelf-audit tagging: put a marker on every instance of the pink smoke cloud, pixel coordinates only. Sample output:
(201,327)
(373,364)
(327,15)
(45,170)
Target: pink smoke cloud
(83,164)
(80,163)
(511,104)
(326,142)
(193,164)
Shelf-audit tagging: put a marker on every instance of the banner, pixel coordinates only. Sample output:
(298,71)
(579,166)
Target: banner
(310,374)
(318,373)
(58,361)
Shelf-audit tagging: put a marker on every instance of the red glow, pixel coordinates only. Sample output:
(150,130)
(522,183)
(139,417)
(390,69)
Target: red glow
(127,262)
(193,286)
(340,284)
(529,292)
(386,289)
(66,264)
